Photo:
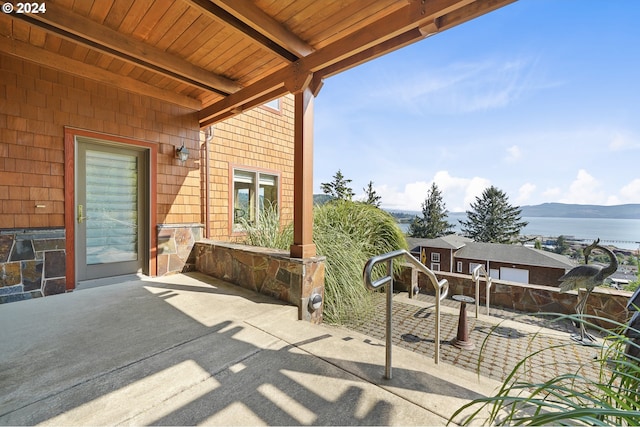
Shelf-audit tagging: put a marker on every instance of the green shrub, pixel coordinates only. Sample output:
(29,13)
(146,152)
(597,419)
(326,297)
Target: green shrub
(569,398)
(348,234)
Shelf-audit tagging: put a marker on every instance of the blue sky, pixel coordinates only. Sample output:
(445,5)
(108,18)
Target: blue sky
(540,98)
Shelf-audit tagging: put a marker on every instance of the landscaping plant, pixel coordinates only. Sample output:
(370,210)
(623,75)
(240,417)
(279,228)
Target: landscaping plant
(572,398)
(348,234)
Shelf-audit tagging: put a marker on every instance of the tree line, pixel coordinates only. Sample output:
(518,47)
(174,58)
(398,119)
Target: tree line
(491,219)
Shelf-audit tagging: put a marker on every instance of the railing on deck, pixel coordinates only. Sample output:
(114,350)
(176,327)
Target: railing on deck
(441,289)
(475,275)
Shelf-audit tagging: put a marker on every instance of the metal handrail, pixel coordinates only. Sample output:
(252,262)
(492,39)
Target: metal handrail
(475,275)
(441,288)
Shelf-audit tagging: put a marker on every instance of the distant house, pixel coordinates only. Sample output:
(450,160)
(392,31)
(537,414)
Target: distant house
(514,263)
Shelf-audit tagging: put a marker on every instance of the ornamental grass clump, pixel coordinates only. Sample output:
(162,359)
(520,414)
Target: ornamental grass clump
(348,234)
(611,397)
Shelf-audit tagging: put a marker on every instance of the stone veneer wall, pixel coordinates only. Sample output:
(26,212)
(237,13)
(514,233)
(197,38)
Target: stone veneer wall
(603,302)
(32,263)
(175,247)
(268,271)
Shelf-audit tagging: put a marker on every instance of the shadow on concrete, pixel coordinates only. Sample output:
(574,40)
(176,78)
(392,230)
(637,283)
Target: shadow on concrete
(160,353)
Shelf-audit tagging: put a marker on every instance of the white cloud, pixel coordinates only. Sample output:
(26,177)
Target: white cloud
(623,141)
(524,193)
(457,193)
(514,153)
(462,87)
(630,193)
(585,189)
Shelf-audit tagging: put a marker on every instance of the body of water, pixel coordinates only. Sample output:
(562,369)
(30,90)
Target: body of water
(622,233)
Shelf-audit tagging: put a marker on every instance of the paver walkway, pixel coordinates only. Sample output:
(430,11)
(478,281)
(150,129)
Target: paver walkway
(501,340)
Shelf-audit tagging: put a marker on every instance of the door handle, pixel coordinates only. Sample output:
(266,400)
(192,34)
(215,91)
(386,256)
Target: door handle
(80,217)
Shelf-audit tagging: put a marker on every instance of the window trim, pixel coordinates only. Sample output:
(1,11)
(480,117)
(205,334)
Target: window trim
(458,266)
(435,257)
(233,231)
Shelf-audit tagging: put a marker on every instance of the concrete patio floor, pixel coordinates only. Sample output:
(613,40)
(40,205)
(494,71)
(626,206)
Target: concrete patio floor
(188,349)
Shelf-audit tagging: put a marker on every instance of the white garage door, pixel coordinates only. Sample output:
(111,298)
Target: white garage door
(514,275)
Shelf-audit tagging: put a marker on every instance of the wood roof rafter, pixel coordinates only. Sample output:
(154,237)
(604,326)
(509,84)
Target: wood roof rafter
(79,29)
(246,18)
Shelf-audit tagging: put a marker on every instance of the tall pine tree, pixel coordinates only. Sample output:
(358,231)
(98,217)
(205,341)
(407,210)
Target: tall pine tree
(372,197)
(492,219)
(338,188)
(433,223)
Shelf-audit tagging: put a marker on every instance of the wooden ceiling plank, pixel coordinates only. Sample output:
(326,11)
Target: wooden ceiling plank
(186,44)
(37,37)
(100,10)
(153,14)
(166,23)
(219,14)
(20,30)
(79,53)
(81,7)
(251,15)
(134,16)
(324,33)
(133,50)
(179,28)
(53,60)
(119,11)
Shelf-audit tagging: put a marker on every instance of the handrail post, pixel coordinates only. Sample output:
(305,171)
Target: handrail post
(475,276)
(389,328)
(441,289)
(436,357)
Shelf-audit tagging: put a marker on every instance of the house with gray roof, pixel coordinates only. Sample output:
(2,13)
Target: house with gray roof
(514,263)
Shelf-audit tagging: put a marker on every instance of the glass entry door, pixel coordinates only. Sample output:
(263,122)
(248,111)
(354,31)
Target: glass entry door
(111,210)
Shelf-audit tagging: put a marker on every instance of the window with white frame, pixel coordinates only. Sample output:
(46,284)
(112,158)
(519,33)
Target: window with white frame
(435,257)
(273,104)
(459,267)
(253,193)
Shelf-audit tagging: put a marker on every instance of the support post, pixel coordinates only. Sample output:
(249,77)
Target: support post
(303,246)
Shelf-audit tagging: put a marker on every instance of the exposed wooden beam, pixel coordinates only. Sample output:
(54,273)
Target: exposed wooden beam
(53,60)
(442,23)
(470,12)
(251,15)
(376,51)
(82,30)
(225,17)
(417,14)
(248,104)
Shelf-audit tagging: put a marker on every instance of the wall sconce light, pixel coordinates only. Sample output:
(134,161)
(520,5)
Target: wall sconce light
(182,153)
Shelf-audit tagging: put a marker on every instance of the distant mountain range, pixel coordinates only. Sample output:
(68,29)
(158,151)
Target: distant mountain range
(561,210)
(549,210)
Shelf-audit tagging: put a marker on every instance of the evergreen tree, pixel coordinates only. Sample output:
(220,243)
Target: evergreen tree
(372,196)
(338,188)
(492,219)
(562,247)
(433,222)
